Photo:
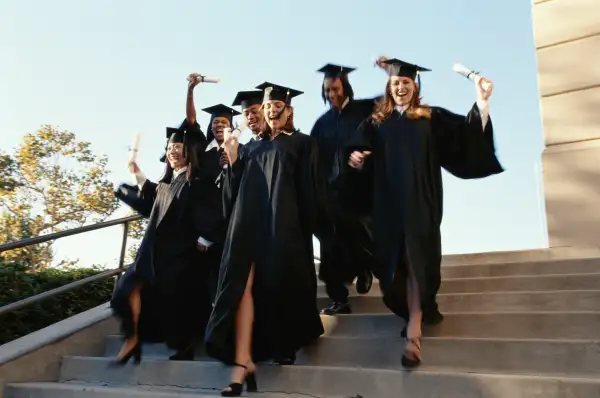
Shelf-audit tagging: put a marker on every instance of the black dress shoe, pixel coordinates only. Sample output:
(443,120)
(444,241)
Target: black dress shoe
(290,360)
(187,354)
(364,282)
(336,308)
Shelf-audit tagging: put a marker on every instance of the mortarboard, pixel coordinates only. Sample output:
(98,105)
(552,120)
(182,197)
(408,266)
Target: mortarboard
(221,110)
(246,99)
(218,110)
(275,92)
(184,136)
(401,68)
(332,70)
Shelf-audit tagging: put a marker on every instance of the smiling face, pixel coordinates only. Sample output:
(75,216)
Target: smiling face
(403,90)
(175,155)
(253,117)
(334,91)
(276,114)
(217,126)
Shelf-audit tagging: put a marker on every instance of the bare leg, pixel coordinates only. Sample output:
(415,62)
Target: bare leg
(413,329)
(244,321)
(135,303)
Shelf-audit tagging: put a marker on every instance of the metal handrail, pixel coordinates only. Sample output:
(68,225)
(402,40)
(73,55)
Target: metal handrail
(69,232)
(73,285)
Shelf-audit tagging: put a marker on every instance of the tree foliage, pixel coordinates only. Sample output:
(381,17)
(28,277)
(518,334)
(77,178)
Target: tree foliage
(52,182)
(18,283)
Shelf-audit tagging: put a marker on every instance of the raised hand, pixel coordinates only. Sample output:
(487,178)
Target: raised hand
(133,167)
(193,80)
(484,88)
(230,145)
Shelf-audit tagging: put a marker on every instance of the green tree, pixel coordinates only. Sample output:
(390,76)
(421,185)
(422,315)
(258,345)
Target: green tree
(50,183)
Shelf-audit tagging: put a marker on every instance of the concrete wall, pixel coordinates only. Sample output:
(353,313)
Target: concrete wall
(38,356)
(567,38)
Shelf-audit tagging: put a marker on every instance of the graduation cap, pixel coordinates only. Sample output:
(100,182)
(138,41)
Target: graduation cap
(405,69)
(216,111)
(246,99)
(184,136)
(275,92)
(221,110)
(175,135)
(332,70)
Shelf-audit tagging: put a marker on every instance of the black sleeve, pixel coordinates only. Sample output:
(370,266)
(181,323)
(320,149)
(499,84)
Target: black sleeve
(465,148)
(207,220)
(231,182)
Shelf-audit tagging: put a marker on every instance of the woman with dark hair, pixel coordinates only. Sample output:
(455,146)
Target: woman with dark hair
(266,297)
(163,296)
(402,148)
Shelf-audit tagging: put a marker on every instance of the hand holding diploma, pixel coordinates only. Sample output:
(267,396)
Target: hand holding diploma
(135,146)
(483,86)
(133,167)
(230,144)
(196,78)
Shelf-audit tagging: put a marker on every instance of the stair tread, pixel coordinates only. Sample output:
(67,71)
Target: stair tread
(423,369)
(139,390)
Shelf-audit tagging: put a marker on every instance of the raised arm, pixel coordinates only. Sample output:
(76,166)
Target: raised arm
(465,144)
(140,197)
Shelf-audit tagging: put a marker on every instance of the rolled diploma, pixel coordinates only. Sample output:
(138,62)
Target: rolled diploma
(237,131)
(135,146)
(469,74)
(204,79)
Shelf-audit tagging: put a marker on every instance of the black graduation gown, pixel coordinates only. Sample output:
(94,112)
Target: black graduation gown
(274,195)
(175,294)
(351,254)
(406,178)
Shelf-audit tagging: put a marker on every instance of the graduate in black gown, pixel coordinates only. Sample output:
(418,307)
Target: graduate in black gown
(352,254)
(250,103)
(266,305)
(403,147)
(163,296)
(221,117)
(215,159)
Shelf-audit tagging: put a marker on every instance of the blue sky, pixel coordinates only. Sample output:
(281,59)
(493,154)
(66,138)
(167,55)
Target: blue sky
(108,69)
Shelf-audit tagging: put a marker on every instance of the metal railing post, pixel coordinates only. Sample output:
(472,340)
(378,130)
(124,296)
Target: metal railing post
(123,252)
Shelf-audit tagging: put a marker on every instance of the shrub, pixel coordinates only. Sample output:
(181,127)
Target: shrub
(17,283)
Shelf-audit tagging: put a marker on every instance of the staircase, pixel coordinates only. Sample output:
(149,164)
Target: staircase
(520,329)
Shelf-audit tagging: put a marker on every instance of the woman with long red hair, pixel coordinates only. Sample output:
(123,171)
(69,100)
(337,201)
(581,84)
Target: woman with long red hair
(403,146)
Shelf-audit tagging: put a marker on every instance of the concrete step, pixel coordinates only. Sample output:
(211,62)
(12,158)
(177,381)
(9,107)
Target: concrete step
(321,382)
(90,390)
(574,266)
(541,325)
(522,283)
(501,283)
(534,301)
(517,356)
(555,253)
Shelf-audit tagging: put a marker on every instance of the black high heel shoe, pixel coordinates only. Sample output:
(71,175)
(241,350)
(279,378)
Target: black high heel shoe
(135,352)
(236,389)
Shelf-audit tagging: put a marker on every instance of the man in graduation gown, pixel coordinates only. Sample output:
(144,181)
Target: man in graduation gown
(403,147)
(351,257)
(250,103)
(164,295)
